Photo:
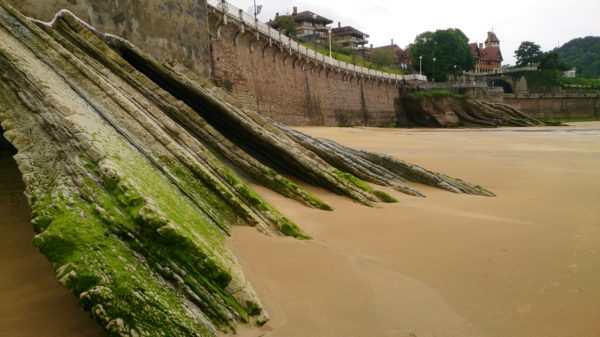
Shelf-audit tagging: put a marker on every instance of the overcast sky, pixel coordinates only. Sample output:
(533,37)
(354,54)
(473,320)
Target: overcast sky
(545,22)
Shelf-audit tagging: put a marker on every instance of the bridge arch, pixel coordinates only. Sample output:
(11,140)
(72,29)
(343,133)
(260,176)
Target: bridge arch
(498,82)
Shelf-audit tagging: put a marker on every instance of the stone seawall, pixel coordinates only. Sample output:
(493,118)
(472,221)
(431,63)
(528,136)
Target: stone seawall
(557,107)
(292,89)
(164,28)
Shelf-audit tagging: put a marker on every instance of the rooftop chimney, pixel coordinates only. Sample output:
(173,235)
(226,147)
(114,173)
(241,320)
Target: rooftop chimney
(276,15)
(392,42)
(339,24)
(295,12)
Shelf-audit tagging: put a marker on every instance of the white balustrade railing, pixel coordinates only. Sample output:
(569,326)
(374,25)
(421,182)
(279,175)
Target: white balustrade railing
(454,85)
(502,71)
(235,13)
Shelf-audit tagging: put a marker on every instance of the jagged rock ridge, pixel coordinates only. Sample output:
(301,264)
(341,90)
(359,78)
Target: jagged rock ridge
(130,168)
(430,110)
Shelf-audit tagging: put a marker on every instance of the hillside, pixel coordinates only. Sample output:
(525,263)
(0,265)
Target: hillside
(584,54)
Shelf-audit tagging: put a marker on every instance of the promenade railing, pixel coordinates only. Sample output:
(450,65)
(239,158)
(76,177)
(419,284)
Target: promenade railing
(453,85)
(239,15)
(503,71)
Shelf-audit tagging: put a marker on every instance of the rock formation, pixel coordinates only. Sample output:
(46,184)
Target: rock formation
(132,169)
(426,109)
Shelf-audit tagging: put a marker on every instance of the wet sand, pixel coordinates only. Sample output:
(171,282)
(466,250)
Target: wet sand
(523,264)
(32,302)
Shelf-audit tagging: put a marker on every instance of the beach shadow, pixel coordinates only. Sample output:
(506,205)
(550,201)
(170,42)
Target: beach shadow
(32,302)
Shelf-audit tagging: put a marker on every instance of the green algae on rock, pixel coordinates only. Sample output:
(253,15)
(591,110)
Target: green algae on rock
(142,257)
(380,169)
(131,170)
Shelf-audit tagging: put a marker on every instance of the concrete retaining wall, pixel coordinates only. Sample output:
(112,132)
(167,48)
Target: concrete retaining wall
(167,29)
(557,107)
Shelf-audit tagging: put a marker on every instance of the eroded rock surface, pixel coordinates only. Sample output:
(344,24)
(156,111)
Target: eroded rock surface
(456,111)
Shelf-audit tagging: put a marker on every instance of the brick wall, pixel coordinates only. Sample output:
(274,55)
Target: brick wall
(292,91)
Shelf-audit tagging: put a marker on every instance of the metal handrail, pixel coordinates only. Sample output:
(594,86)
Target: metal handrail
(237,14)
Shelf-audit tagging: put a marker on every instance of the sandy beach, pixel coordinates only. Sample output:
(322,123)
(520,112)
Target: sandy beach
(522,264)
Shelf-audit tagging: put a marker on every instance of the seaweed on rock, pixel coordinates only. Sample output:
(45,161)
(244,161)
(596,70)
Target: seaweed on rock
(130,168)
(381,169)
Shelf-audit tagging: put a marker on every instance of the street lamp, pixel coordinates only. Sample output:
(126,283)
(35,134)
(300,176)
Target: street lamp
(434,59)
(329,31)
(420,65)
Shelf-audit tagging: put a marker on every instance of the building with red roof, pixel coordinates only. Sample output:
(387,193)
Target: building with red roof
(400,56)
(488,57)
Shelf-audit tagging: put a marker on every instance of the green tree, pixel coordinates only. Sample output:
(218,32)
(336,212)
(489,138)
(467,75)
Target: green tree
(583,54)
(552,61)
(450,50)
(381,57)
(287,25)
(528,53)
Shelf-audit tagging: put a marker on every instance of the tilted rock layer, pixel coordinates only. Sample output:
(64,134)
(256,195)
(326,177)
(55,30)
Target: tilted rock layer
(130,168)
(456,111)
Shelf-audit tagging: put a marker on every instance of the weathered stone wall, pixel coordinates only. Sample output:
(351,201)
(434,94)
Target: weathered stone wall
(494,94)
(291,89)
(167,29)
(556,107)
